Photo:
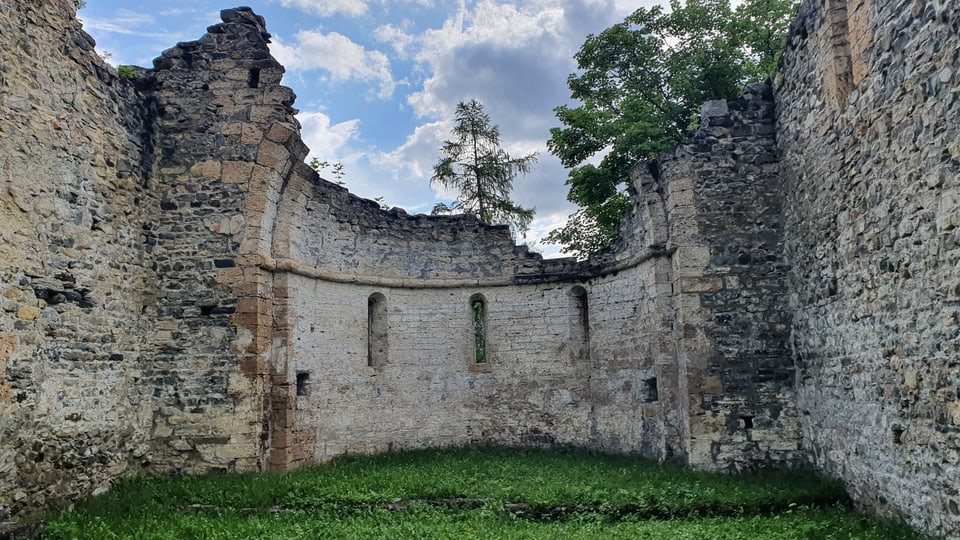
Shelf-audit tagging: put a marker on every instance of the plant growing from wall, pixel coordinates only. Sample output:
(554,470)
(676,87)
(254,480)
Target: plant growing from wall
(640,85)
(337,172)
(480,171)
(479,329)
(336,169)
(126,72)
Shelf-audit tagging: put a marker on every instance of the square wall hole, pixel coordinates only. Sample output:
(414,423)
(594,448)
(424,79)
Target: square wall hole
(302,379)
(650,392)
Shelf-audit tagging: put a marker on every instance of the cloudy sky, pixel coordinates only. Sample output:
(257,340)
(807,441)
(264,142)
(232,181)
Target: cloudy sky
(378,80)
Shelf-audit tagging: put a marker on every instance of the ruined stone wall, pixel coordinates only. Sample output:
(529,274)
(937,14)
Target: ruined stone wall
(429,390)
(335,235)
(540,384)
(567,363)
(637,406)
(869,98)
(713,323)
(256,312)
(672,344)
(721,198)
(77,287)
(229,143)
(181,292)
(633,383)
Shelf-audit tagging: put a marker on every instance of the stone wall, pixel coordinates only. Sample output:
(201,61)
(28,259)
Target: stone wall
(539,385)
(632,377)
(227,146)
(430,390)
(180,292)
(77,287)
(673,344)
(869,96)
(341,237)
(719,193)
(254,281)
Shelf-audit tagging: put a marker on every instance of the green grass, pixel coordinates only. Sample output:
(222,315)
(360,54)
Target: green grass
(476,493)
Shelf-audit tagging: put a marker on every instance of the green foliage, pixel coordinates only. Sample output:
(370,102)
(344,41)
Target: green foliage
(641,84)
(480,171)
(126,72)
(336,169)
(591,228)
(479,330)
(380,200)
(476,493)
(761,26)
(338,173)
(79,4)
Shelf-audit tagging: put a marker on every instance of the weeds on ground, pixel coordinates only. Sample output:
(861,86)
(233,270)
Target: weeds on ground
(477,493)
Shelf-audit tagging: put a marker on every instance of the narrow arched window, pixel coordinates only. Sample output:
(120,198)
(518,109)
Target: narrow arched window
(478,308)
(376,330)
(579,322)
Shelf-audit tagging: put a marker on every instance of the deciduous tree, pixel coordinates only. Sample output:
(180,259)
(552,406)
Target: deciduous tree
(641,83)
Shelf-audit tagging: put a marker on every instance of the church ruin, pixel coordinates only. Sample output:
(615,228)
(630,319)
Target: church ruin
(179,292)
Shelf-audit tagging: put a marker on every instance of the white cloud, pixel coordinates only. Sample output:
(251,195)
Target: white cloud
(327,142)
(414,159)
(125,22)
(497,32)
(513,57)
(326,8)
(127,36)
(178,12)
(340,57)
(397,37)
(350,8)
(400,176)
(542,224)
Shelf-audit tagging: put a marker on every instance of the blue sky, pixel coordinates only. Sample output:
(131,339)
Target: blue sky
(378,80)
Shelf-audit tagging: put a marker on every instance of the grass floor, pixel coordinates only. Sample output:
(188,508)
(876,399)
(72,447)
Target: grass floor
(476,493)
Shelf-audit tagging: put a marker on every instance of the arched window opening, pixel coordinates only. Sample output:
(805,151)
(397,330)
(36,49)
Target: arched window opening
(478,308)
(377,330)
(580,322)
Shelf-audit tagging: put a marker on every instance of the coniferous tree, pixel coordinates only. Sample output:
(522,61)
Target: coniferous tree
(480,171)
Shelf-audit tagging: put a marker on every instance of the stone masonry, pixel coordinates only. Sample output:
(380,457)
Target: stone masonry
(871,178)
(179,292)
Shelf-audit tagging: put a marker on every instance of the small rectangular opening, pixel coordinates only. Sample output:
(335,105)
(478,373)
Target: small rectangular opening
(897,433)
(302,380)
(746,422)
(254,80)
(650,392)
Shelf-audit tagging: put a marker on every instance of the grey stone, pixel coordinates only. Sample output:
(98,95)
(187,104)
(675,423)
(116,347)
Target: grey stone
(782,293)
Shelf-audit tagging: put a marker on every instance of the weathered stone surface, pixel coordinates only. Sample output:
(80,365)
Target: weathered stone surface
(180,292)
(28,313)
(870,183)
(76,282)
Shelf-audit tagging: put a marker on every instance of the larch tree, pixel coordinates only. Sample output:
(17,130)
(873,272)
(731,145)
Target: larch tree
(475,166)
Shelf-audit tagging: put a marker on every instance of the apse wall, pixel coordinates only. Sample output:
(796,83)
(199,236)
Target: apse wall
(342,262)
(867,127)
